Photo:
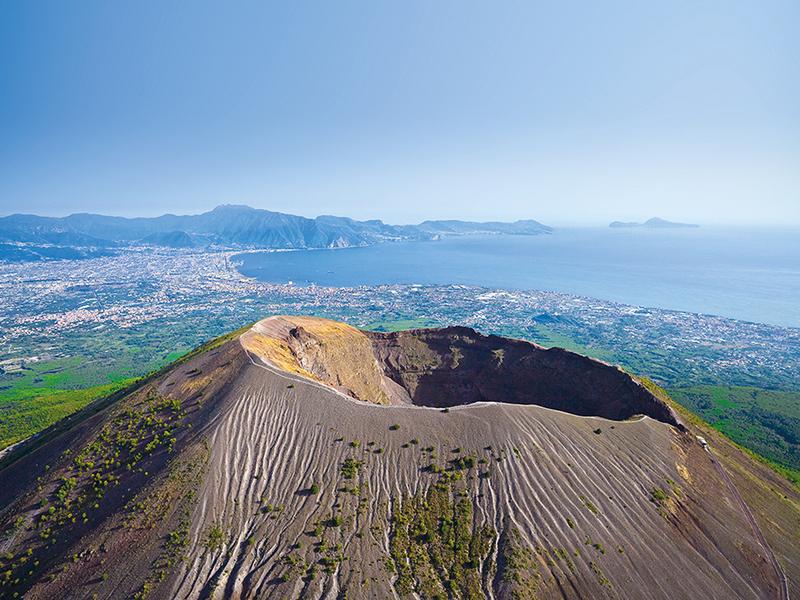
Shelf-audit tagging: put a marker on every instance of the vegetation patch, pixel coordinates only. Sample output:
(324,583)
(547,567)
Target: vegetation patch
(658,495)
(436,548)
(74,493)
(215,538)
(179,491)
(351,467)
(27,410)
(518,566)
(589,504)
(666,498)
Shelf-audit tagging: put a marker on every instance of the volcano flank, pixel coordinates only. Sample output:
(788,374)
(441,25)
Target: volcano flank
(302,457)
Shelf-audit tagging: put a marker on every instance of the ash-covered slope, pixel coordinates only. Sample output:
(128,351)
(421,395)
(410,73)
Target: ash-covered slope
(305,458)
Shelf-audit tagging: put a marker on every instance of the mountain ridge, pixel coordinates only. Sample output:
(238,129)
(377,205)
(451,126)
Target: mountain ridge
(237,226)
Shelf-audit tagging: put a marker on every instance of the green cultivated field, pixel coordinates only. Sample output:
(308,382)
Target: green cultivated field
(47,391)
(26,411)
(766,421)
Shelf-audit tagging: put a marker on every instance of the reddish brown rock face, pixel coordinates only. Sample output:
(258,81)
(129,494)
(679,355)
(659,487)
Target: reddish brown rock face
(457,365)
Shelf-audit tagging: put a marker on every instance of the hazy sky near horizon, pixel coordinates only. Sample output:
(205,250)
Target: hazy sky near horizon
(566,112)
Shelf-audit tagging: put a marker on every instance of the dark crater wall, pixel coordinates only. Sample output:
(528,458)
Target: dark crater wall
(456,365)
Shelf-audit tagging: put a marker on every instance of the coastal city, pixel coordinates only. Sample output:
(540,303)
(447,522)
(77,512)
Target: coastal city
(158,303)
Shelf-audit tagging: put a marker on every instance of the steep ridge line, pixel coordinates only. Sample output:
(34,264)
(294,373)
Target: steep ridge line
(261,364)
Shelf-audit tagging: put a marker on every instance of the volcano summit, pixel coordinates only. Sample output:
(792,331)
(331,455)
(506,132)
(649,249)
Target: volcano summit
(302,457)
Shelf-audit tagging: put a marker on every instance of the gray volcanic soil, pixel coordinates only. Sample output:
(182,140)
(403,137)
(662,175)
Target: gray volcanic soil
(280,486)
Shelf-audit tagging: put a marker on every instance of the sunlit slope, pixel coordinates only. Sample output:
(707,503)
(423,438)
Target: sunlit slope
(320,349)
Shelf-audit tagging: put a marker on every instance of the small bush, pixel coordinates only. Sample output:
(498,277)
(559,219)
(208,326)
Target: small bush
(463,462)
(214,538)
(334,521)
(350,468)
(658,495)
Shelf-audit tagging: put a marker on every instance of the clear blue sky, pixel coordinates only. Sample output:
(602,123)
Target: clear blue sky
(568,112)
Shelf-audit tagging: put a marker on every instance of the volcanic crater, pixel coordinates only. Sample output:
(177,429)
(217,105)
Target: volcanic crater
(451,366)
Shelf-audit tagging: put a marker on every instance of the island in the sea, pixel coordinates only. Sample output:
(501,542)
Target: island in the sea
(654,223)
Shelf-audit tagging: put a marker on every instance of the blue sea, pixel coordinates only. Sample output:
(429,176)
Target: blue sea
(744,273)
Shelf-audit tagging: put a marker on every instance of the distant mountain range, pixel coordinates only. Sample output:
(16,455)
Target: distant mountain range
(228,226)
(654,223)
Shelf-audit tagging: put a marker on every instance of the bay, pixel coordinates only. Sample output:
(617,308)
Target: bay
(751,274)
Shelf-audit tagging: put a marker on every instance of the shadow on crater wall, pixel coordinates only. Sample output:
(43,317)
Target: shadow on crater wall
(456,365)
